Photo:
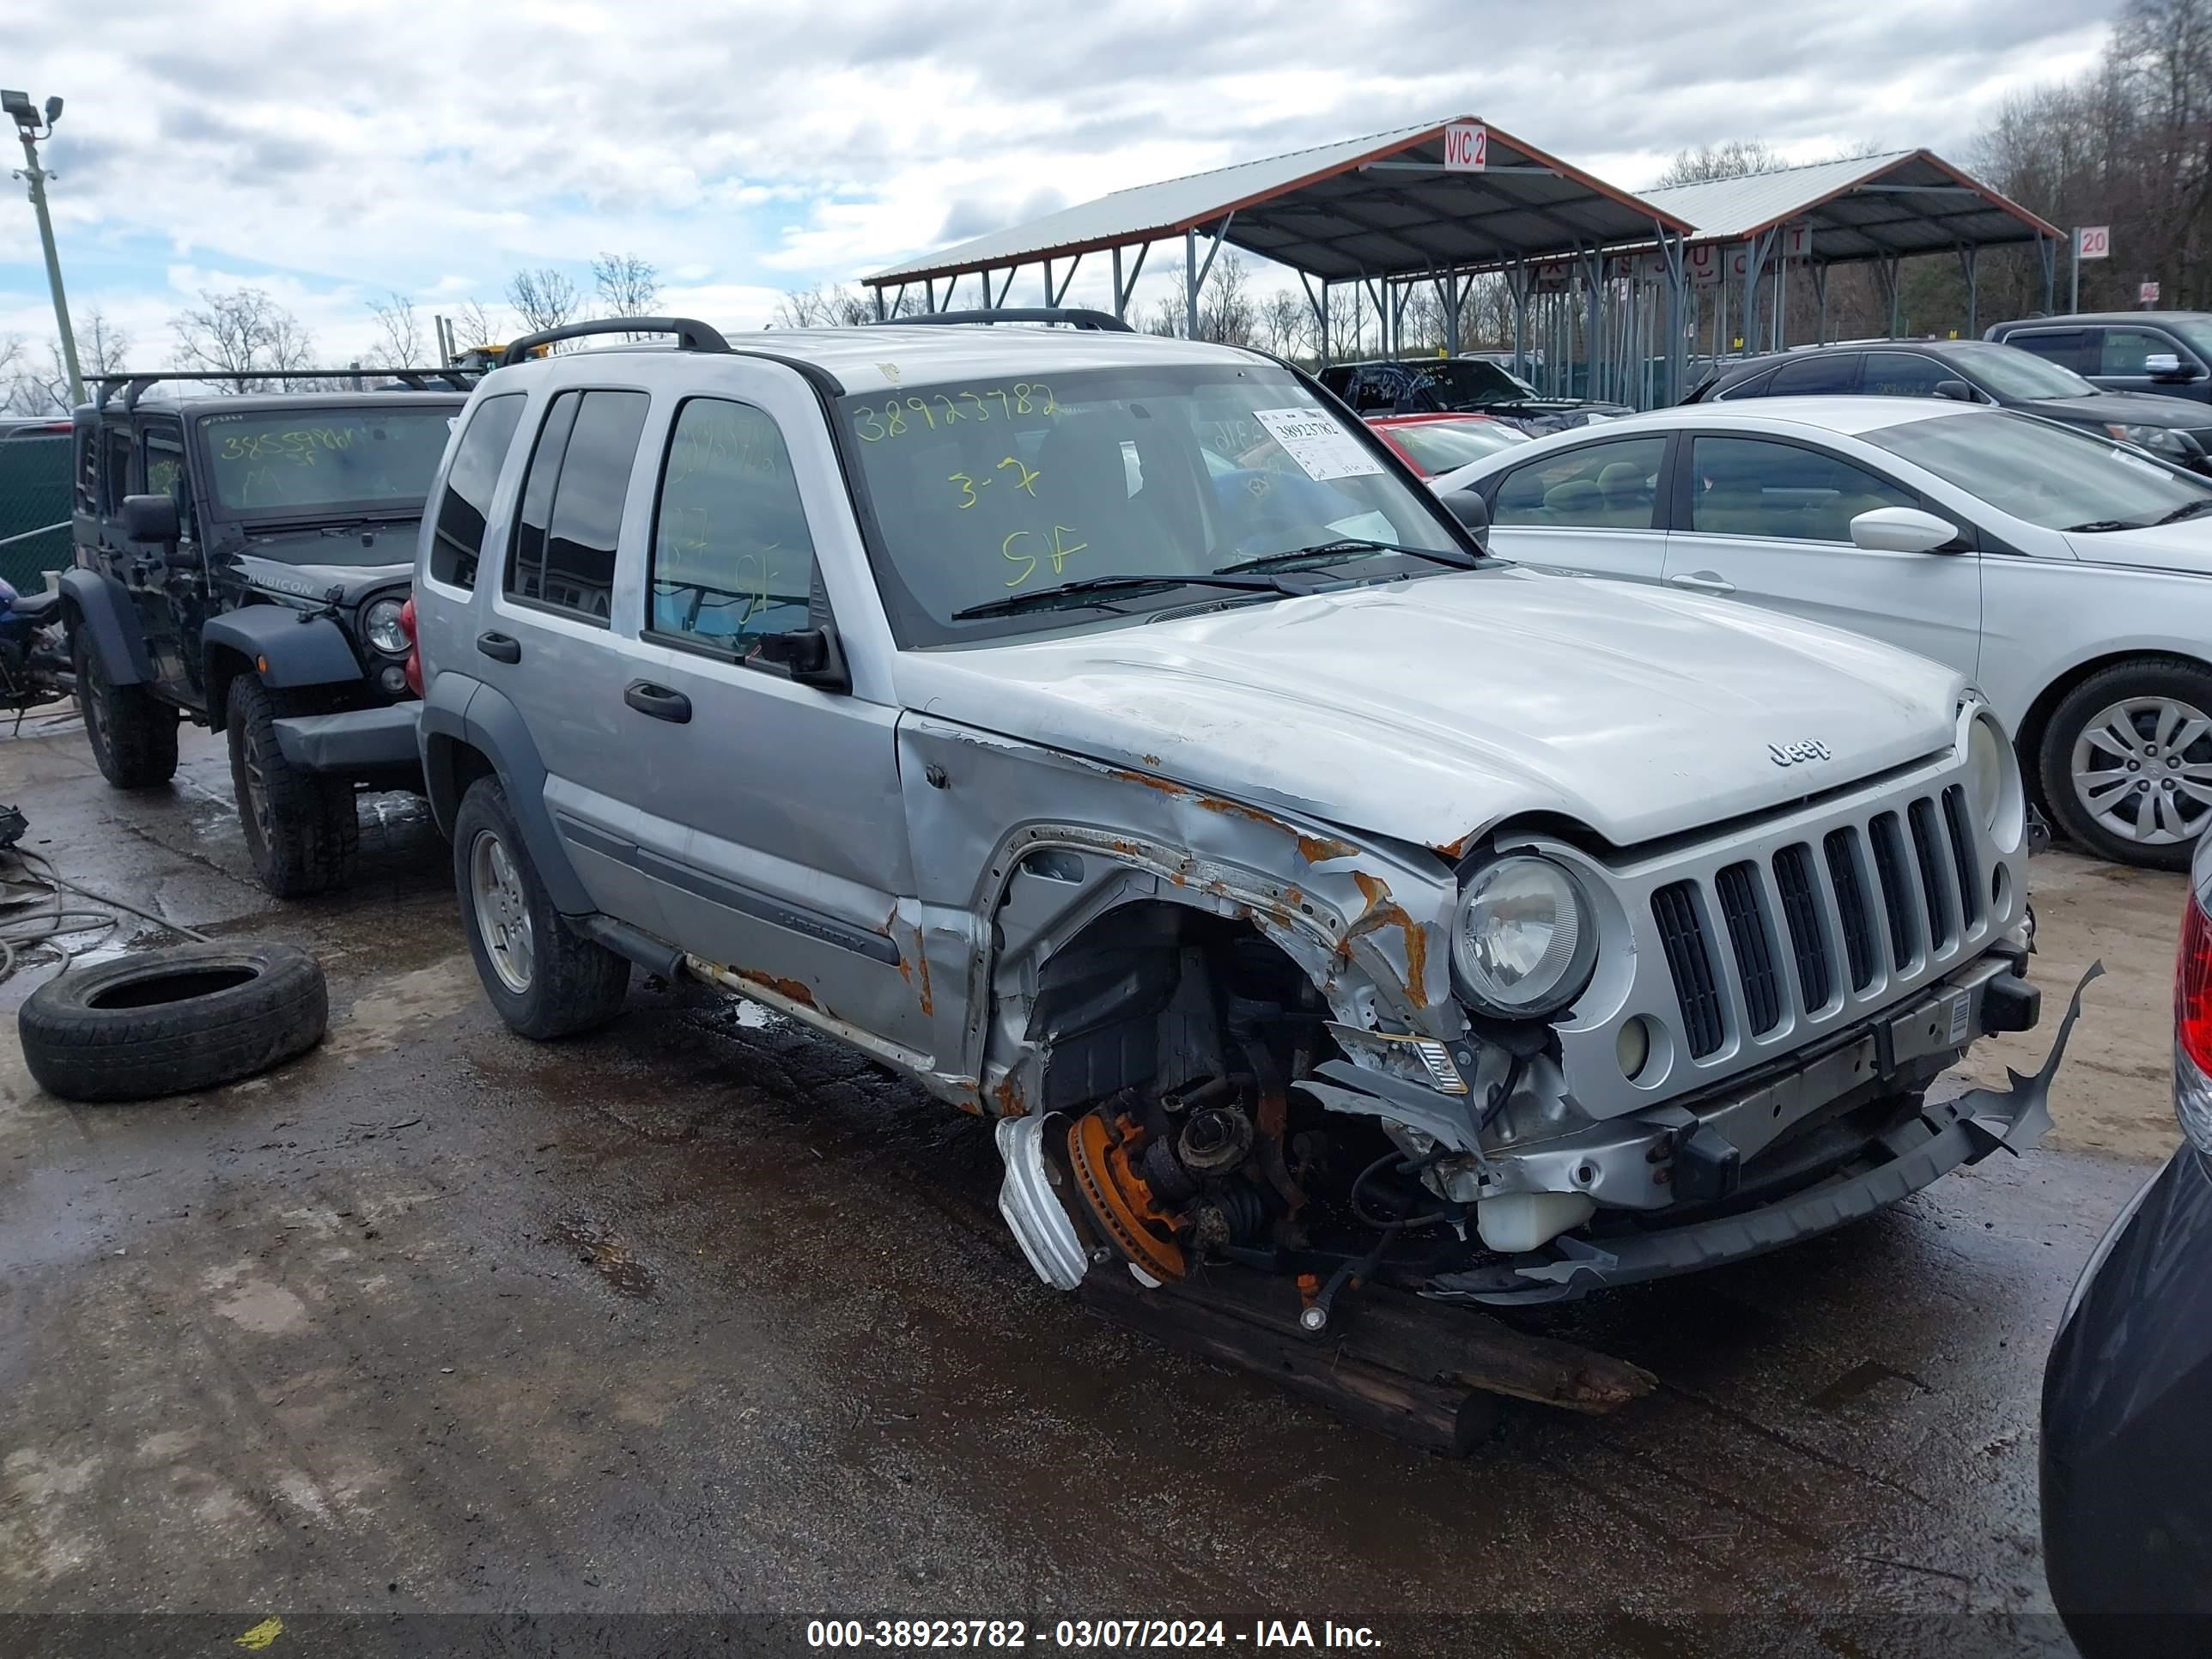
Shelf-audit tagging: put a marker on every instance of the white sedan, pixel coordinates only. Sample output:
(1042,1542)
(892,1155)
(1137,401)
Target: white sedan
(2069,577)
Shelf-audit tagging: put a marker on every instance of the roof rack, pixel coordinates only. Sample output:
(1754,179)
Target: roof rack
(690,336)
(135,384)
(1074,317)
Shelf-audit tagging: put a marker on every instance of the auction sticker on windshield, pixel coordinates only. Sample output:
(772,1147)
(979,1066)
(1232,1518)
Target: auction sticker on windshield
(1322,449)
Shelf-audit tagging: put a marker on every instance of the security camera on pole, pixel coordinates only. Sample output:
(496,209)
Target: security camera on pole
(18,108)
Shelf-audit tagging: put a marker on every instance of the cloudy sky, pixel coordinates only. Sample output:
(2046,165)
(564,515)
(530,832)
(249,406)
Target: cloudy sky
(333,152)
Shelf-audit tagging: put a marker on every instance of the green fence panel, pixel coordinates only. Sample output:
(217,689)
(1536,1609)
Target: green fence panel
(34,492)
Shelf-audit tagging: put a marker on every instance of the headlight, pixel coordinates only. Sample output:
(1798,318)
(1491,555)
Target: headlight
(1523,943)
(1993,783)
(379,626)
(2169,441)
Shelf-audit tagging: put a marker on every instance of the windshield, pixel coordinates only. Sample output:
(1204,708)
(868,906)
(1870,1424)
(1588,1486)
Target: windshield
(299,463)
(2012,372)
(1439,445)
(983,490)
(2052,475)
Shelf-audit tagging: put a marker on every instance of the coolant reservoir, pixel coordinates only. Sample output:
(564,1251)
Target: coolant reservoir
(1511,1223)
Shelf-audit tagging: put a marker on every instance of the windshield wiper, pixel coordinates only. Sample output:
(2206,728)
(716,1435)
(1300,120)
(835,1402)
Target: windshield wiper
(2103,524)
(1044,599)
(1329,552)
(2187,510)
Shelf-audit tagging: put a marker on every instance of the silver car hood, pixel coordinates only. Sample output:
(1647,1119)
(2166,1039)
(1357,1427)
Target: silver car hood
(1428,710)
(2186,545)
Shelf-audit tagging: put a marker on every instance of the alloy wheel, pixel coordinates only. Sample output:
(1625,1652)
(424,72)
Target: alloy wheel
(502,912)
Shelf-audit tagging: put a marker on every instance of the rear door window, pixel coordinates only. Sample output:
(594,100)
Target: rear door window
(118,467)
(572,502)
(1755,386)
(2075,348)
(1604,486)
(1751,487)
(1822,375)
(2126,351)
(456,540)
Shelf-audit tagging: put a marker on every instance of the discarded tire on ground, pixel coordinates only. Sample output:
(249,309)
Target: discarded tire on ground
(170,1021)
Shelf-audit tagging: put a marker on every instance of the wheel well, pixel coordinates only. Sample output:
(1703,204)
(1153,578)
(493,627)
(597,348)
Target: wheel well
(454,767)
(2027,742)
(223,663)
(1154,993)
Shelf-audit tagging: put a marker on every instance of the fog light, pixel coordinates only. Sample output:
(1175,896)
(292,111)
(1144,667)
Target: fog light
(1633,1047)
(392,678)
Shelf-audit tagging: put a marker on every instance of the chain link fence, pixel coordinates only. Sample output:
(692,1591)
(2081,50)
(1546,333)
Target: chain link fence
(34,509)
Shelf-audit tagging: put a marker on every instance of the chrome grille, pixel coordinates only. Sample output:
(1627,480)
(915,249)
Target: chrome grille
(1901,891)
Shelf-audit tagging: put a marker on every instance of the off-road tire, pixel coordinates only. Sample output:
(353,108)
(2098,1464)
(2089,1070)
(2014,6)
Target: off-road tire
(2145,678)
(574,983)
(132,732)
(306,840)
(170,1021)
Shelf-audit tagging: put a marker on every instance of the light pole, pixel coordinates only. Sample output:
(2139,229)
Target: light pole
(17,104)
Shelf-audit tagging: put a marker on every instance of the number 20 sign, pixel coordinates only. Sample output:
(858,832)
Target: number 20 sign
(2096,242)
(1467,147)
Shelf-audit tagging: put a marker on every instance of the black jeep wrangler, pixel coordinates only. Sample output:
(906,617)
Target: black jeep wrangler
(242,562)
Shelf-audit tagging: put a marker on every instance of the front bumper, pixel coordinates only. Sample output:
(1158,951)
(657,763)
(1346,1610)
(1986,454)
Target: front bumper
(1870,1177)
(356,742)
(2127,1467)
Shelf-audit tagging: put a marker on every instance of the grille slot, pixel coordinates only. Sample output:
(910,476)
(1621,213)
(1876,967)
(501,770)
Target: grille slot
(1856,920)
(1754,950)
(1889,870)
(1927,852)
(1801,914)
(1962,856)
(1689,958)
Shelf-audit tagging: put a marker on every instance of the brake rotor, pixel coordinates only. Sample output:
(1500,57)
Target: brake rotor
(1119,1198)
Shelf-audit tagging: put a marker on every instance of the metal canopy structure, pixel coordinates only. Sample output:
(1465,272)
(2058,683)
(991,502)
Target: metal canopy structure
(1618,278)
(1389,210)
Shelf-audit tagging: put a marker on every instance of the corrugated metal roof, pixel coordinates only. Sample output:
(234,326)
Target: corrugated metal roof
(1907,200)
(1333,211)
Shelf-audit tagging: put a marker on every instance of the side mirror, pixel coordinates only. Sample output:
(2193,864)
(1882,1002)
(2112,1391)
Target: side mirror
(1470,510)
(2167,366)
(1957,391)
(810,656)
(151,519)
(1902,530)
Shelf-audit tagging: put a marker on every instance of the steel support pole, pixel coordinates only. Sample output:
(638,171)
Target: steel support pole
(34,177)
(1117,285)
(1190,282)
(1820,296)
(1451,314)
(1519,282)
(2074,284)
(1969,260)
(1755,267)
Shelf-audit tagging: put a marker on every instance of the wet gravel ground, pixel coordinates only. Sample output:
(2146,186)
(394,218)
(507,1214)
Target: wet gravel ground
(676,1337)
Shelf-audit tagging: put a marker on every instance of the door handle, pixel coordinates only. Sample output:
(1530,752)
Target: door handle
(1701,582)
(658,700)
(500,647)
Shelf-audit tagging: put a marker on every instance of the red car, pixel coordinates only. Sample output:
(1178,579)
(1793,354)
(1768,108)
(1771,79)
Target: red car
(1437,443)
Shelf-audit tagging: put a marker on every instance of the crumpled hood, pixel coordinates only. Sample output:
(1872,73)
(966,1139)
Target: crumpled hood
(1427,710)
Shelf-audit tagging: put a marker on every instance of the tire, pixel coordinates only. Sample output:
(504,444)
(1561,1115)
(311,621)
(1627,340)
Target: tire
(133,734)
(302,829)
(2126,762)
(170,1021)
(546,979)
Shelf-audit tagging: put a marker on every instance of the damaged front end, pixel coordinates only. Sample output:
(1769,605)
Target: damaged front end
(1640,1066)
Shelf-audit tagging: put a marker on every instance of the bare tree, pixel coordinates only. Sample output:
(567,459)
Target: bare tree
(241,332)
(629,286)
(1733,159)
(543,298)
(1226,311)
(1168,316)
(399,341)
(1284,324)
(41,387)
(475,324)
(830,308)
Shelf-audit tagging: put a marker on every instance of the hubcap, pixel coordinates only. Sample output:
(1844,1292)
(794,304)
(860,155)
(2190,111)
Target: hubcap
(502,912)
(2142,769)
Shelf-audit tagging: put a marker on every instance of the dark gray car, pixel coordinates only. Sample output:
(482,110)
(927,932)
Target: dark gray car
(1972,372)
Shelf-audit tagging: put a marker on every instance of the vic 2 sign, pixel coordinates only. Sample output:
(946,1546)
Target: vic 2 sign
(1466,147)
